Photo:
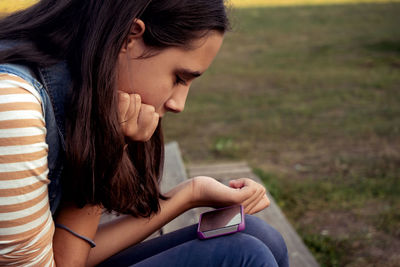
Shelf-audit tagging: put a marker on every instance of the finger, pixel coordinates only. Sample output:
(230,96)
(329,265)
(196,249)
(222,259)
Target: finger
(262,204)
(250,203)
(146,115)
(258,191)
(123,105)
(131,127)
(147,122)
(249,207)
(138,105)
(132,113)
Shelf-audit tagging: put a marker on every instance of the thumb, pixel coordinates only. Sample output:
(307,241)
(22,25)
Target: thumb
(238,183)
(240,192)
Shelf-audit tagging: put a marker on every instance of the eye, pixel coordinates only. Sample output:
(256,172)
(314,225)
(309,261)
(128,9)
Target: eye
(179,80)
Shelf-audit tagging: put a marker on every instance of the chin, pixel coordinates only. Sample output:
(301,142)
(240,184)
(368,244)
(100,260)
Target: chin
(161,114)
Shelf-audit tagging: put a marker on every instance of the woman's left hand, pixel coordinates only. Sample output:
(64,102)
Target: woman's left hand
(209,192)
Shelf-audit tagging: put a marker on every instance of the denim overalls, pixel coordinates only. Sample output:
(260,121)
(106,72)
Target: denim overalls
(52,84)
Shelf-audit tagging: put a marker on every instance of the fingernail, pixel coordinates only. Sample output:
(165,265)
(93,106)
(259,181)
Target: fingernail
(137,97)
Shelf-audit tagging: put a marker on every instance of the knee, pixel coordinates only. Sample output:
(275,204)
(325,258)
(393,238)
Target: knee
(268,235)
(246,250)
(260,229)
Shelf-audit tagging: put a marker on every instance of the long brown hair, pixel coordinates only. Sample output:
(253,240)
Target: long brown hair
(88,35)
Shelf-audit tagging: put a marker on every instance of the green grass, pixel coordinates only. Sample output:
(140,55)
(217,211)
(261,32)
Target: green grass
(310,97)
(368,198)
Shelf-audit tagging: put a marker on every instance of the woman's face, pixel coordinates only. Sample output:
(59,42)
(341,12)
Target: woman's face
(163,79)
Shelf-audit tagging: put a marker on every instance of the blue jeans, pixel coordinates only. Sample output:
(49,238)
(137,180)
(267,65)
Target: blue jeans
(258,245)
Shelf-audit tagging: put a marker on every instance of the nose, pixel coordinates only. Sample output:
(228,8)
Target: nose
(176,103)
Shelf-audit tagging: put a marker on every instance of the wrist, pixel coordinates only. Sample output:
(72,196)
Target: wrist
(183,193)
(196,192)
(192,199)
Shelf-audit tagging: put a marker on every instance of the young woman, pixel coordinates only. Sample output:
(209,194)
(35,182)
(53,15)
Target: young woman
(83,87)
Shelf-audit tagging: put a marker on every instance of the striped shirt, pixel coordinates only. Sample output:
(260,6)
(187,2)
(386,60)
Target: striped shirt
(26,225)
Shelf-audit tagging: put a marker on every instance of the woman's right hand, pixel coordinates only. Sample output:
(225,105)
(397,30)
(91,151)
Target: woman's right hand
(138,121)
(207,191)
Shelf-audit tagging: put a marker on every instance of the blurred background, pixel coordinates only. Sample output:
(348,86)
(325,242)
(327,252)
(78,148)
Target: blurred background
(308,93)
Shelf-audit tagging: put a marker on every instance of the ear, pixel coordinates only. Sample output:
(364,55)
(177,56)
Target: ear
(135,35)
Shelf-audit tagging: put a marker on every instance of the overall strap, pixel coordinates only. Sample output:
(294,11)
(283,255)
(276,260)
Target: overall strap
(56,80)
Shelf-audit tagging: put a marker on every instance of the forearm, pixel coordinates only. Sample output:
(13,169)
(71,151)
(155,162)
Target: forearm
(127,230)
(70,250)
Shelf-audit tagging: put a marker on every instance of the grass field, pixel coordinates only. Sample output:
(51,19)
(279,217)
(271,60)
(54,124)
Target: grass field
(309,95)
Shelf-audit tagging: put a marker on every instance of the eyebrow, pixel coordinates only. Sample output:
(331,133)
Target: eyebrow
(189,73)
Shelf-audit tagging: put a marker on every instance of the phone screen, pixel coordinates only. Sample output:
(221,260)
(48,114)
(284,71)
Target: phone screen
(220,218)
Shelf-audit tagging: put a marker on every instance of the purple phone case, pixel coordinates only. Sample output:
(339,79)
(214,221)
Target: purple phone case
(239,227)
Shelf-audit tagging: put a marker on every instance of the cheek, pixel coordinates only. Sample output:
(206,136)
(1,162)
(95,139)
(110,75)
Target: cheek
(153,93)
(151,82)
(121,77)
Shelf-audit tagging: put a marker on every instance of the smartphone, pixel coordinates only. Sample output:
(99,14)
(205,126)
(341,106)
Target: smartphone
(221,222)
